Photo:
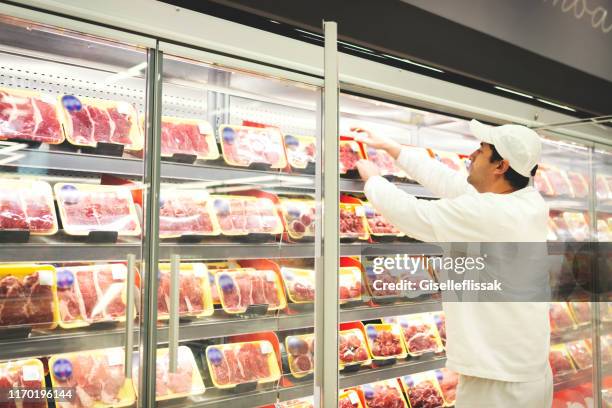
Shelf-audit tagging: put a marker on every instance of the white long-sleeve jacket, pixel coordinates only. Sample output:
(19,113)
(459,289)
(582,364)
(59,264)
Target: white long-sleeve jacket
(502,341)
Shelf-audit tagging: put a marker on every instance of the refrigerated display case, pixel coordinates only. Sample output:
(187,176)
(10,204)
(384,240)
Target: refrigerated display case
(200,177)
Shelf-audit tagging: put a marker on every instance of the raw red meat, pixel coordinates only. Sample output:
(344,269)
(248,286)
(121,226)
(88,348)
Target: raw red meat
(28,118)
(12,376)
(241,289)
(580,354)
(558,181)
(345,403)
(25,301)
(559,362)
(425,395)
(348,157)
(440,320)
(541,183)
(383,395)
(351,347)
(239,363)
(419,338)
(167,383)
(579,184)
(386,344)
(350,224)
(184,214)
(241,215)
(12,214)
(245,145)
(303,291)
(385,278)
(447,380)
(111,289)
(122,126)
(582,311)
(191,295)
(183,138)
(560,317)
(89,294)
(383,161)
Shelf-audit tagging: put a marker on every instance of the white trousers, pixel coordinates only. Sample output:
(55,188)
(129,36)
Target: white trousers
(474,392)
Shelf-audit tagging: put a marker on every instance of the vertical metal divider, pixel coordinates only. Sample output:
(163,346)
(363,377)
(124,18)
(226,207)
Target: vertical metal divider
(328,251)
(148,338)
(129,314)
(173,324)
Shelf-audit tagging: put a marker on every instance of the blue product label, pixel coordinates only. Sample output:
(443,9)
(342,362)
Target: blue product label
(214,356)
(70,194)
(408,380)
(439,375)
(222,207)
(62,369)
(368,391)
(229,135)
(291,141)
(369,211)
(372,333)
(71,103)
(226,282)
(65,279)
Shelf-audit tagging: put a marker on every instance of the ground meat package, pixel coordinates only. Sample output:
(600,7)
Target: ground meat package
(97,377)
(27,205)
(299,217)
(91,294)
(300,284)
(28,296)
(25,375)
(447,381)
(88,121)
(581,354)
(300,354)
(186,212)
(301,150)
(243,215)
(560,317)
(385,341)
(352,348)
(420,333)
(85,208)
(29,115)
(384,162)
(244,145)
(349,155)
(378,226)
(349,399)
(195,299)
(236,363)
(240,288)
(423,390)
(188,136)
(306,402)
(353,222)
(383,394)
(560,360)
(185,381)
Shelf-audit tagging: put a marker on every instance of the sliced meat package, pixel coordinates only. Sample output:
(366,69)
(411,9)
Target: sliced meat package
(243,215)
(185,212)
(385,341)
(384,162)
(213,268)
(349,282)
(300,354)
(353,222)
(300,284)
(91,294)
(447,381)
(378,225)
(558,180)
(450,160)
(88,121)
(188,136)
(420,333)
(577,225)
(581,354)
(560,360)
(579,184)
(96,376)
(89,207)
(299,217)
(301,150)
(423,390)
(237,363)
(195,298)
(27,205)
(602,188)
(240,288)
(28,115)
(349,399)
(352,348)
(306,402)
(440,320)
(581,311)
(384,394)
(185,381)
(349,155)
(244,145)
(541,183)
(560,317)
(28,374)
(28,296)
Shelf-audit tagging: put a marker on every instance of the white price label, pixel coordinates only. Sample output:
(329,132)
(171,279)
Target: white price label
(353,398)
(124,108)
(266,347)
(199,270)
(270,276)
(119,271)
(355,147)
(30,373)
(360,211)
(115,357)
(48,99)
(204,128)
(45,278)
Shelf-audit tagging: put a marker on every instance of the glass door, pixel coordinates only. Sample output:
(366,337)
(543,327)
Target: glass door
(72,107)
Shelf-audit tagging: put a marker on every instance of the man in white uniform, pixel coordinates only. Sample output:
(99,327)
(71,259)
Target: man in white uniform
(499,349)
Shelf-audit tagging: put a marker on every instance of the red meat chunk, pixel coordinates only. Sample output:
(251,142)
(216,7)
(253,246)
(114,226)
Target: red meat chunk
(425,395)
(386,344)
(26,301)
(348,157)
(350,223)
(559,362)
(380,395)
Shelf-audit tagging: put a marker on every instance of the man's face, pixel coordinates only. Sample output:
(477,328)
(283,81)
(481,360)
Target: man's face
(482,172)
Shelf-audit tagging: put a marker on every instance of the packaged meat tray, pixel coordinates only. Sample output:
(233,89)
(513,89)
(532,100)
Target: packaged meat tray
(97,376)
(440,321)
(447,381)
(451,160)
(300,284)
(243,215)
(581,354)
(186,212)
(560,360)
(353,222)
(28,296)
(579,184)
(602,188)
(301,150)
(385,341)
(28,115)
(88,121)
(195,299)
(604,233)
(420,333)
(349,399)
(23,374)
(188,136)
(241,288)
(243,146)
(300,354)
(213,268)
(349,282)
(306,402)
(384,162)
(237,363)
(423,391)
(352,348)
(27,205)
(186,381)
(378,226)
(560,317)
(374,282)
(581,312)
(84,208)
(578,227)
(299,217)
(91,294)
(383,394)
(349,155)
(541,183)
(558,181)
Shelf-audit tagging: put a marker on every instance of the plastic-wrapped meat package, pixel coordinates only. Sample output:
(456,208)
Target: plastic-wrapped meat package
(423,391)
(300,354)
(241,288)
(558,181)
(447,381)
(91,294)
(195,298)
(97,377)
(383,394)
(299,217)
(352,221)
(581,354)
(560,360)
(440,320)
(25,375)
(385,341)
(184,212)
(188,136)
(243,215)
(352,348)
(349,282)
(27,205)
(578,227)
(602,188)
(581,311)
(384,162)
(27,296)
(85,208)
(386,277)
(377,224)
(301,150)
(604,233)
(349,155)
(236,363)
(349,399)
(420,334)
(88,121)
(541,183)
(560,317)
(579,184)
(243,146)
(306,402)
(300,284)
(26,115)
